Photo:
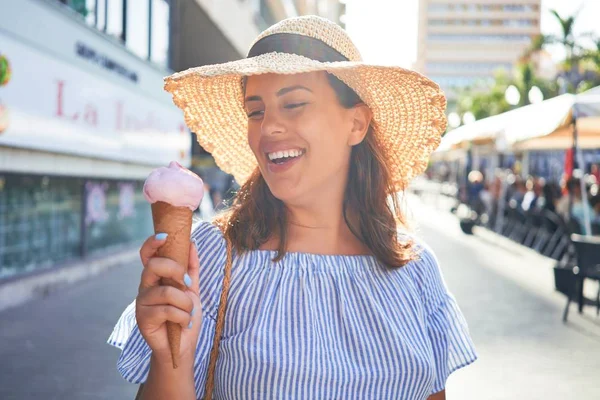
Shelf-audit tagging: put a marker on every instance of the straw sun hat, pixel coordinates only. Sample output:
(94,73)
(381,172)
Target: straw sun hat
(408,109)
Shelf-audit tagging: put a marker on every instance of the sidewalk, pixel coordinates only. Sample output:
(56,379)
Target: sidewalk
(40,284)
(55,347)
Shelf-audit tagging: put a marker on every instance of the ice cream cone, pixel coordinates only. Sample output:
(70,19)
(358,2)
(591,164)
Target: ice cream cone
(177,223)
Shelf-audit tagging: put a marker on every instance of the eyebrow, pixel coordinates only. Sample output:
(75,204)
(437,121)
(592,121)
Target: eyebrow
(280,92)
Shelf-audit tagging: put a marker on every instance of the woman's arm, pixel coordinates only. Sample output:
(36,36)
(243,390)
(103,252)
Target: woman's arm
(164,382)
(438,396)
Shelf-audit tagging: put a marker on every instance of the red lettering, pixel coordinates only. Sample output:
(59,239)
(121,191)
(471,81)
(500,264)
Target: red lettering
(90,112)
(90,115)
(59,98)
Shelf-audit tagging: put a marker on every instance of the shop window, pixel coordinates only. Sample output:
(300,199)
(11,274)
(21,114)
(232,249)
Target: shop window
(40,222)
(116,215)
(137,27)
(160,33)
(114,23)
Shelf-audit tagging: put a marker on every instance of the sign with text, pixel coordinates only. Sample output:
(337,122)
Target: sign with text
(52,106)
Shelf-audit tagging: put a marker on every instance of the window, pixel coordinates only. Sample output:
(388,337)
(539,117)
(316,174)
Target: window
(41,222)
(437,7)
(478,38)
(514,7)
(438,22)
(137,36)
(486,67)
(459,81)
(159,42)
(100,11)
(518,22)
(114,25)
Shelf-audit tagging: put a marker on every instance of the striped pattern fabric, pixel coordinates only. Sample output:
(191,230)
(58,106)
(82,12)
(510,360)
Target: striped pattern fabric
(317,327)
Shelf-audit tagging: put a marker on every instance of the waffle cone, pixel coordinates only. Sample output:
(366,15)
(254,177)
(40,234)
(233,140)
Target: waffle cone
(177,223)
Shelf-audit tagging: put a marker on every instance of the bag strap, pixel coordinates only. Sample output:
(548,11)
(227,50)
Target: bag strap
(208,389)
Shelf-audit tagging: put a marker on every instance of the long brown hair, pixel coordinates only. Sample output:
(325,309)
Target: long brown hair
(255,215)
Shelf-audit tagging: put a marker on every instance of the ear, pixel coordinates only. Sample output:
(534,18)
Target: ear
(361,120)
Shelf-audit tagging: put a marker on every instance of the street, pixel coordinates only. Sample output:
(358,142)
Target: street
(55,348)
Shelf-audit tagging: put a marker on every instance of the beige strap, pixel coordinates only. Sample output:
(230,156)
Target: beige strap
(210,379)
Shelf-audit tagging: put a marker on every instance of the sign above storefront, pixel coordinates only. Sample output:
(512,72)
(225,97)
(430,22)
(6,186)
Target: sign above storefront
(86,52)
(53,106)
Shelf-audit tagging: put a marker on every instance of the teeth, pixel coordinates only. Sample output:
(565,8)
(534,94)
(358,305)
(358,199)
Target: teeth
(285,153)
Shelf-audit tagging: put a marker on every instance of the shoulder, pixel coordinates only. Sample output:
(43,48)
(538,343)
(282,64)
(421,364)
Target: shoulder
(204,230)
(208,238)
(426,261)
(426,273)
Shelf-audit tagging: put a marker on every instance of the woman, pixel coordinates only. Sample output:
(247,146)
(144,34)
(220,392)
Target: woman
(325,298)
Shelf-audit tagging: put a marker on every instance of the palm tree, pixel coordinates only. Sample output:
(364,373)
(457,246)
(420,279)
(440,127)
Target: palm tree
(567,39)
(590,60)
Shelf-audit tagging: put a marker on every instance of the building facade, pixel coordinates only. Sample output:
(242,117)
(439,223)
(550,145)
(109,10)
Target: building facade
(84,117)
(463,43)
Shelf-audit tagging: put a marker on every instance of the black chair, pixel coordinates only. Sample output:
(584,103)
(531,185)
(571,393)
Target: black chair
(596,228)
(520,228)
(559,242)
(587,256)
(534,228)
(546,232)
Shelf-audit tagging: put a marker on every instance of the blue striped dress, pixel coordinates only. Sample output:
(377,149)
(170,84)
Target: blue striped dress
(317,327)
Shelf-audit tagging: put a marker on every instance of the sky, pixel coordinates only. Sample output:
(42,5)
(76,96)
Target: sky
(385,31)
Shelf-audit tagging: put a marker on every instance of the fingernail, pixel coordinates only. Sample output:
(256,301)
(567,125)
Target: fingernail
(190,325)
(161,236)
(193,311)
(187,280)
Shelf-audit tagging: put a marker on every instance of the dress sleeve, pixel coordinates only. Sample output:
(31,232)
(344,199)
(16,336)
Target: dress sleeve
(134,361)
(446,326)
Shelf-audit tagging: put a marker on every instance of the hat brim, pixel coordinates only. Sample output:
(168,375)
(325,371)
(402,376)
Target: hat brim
(408,109)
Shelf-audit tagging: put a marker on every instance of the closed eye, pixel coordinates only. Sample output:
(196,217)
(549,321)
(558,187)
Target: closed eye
(255,114)
(295,105)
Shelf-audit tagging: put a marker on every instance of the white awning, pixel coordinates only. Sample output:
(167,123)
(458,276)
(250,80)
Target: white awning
(508,129)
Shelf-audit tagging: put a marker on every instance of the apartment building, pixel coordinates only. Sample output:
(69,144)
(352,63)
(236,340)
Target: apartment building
(463,42)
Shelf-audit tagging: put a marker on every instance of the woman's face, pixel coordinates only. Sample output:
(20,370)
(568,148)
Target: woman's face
(300,134)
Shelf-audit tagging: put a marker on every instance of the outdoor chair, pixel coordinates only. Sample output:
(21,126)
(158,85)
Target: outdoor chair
(587,266)
(534,228)
(520,229)
(559,239)
(511,219)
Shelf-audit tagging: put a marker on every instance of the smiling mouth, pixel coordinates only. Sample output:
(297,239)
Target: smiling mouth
(282,157)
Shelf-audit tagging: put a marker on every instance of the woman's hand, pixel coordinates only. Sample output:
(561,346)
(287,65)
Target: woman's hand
(156,304)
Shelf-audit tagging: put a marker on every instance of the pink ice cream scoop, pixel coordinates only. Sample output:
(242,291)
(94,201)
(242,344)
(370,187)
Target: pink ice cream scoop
(174,185)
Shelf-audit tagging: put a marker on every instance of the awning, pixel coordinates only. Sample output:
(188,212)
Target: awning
(588,130)
(586,106)
(510,129)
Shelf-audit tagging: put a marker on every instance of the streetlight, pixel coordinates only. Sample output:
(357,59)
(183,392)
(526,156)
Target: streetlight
(512,95)
(468,118)
(535,95)
(453,120)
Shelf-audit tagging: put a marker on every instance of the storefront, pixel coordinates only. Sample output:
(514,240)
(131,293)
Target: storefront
(83,121)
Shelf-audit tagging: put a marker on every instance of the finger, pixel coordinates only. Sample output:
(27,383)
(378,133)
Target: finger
(166,295)
(197,314)
(159,267)
(150,246)
(158,315)
(194,269)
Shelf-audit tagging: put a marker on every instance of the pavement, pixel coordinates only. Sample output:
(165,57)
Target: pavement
(54,348)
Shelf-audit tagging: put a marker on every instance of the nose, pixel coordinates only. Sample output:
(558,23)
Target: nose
(272,123)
